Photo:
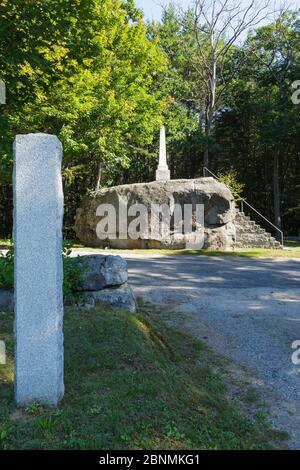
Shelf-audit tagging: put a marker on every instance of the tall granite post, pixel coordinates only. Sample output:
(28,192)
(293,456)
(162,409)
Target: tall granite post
(38,215)
(162,172)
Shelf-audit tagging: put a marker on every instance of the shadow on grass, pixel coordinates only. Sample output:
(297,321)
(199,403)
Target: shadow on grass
(131,383)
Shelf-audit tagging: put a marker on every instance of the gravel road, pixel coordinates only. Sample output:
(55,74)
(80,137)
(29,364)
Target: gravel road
(246,309)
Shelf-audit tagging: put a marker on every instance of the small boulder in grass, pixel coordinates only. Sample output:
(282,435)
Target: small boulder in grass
(118,297)
(101,271)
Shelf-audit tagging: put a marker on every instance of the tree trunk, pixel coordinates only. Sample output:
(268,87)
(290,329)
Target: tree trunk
(276,192)
(206,158)
(98,176)
(207,136)
(211,103)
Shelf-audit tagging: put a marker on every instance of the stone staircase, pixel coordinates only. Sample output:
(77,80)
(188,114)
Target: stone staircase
(250,235)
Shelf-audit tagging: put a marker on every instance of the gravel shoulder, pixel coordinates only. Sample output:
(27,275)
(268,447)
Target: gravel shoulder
(247,310)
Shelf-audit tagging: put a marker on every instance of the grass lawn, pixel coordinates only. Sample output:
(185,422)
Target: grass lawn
(291,250)
(131,383)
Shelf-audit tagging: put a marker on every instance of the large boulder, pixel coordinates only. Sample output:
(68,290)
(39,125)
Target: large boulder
(219,213)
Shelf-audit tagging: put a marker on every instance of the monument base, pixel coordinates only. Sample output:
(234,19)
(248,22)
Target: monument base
(163,174)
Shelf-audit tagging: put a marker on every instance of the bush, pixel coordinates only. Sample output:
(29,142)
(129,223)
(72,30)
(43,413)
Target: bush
(72,275)
(230,179)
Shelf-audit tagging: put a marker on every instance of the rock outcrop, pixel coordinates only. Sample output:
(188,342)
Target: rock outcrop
(219,213)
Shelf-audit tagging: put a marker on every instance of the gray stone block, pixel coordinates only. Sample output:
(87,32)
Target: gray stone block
(118,297)
(101,271)
(38,215)
(163,174)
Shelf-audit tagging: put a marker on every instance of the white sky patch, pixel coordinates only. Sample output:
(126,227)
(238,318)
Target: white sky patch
(153,8)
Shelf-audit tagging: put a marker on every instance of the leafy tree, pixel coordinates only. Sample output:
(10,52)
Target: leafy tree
(274,46)
(258,128)
(255,122)
(93,73)
(230,179)
(85,71)
(216,27)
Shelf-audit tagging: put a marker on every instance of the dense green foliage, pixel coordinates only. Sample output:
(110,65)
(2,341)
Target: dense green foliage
(230,179)
(85,71)
(102,80)
(256,121)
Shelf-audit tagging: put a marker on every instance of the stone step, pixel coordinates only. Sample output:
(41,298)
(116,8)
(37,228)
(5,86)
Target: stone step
(253,241)
(250,228)
(264,245)
(242,221)
(253,233)
(242,217)
(258,241)
(249,234)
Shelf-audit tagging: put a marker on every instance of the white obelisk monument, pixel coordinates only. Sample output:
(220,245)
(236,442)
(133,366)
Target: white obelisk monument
(162,172)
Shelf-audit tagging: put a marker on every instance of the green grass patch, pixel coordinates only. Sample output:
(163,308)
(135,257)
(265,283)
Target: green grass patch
(131,383)
(291,250)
